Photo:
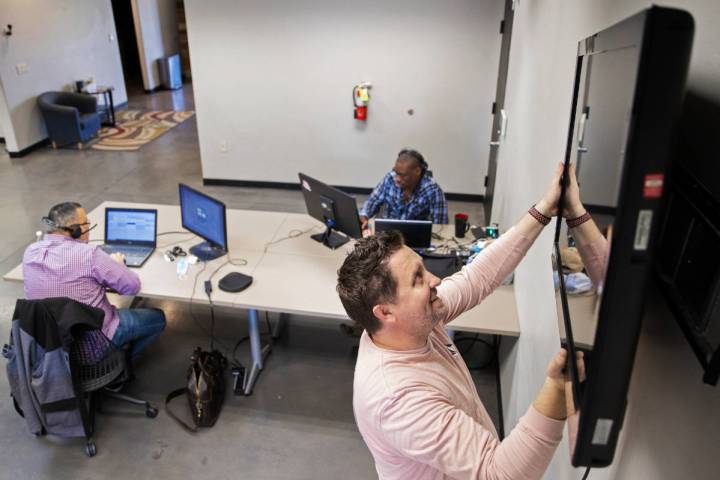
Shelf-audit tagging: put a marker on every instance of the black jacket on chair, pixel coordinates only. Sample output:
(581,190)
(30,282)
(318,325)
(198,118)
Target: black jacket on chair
(38,366)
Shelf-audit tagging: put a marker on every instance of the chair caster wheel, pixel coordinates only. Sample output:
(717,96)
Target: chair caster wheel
(151,412)
(90,449)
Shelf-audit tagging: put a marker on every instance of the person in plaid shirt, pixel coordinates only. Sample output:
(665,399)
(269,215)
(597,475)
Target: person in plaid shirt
(408,192)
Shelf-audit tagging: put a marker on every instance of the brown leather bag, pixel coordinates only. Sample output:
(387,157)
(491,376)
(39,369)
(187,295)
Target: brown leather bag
(205,389)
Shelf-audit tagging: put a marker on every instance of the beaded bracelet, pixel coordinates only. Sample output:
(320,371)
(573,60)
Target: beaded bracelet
(577,221)
(543,219)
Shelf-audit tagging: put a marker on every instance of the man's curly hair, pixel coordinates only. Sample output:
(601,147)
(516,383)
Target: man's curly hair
(364,279)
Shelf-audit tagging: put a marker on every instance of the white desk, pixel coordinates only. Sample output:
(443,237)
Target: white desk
(296,275)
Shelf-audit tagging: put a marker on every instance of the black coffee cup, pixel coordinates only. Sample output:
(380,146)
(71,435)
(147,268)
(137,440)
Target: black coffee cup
(461,225)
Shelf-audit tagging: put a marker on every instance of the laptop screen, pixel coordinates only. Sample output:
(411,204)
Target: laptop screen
(417,233)
(130,226)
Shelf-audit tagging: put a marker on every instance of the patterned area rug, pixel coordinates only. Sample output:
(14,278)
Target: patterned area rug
(135,128)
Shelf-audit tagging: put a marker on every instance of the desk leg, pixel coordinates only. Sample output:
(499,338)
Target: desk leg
(258,352)
(112,108)
(279,326)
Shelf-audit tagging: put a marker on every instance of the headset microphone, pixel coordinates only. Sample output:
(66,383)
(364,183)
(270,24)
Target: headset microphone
(86,231)
(75,231)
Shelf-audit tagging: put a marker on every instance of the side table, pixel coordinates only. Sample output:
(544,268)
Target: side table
(108,107)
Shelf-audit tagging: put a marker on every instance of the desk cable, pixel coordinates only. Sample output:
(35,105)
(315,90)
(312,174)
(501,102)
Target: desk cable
(190,237)
(587,472)
(224,348)
(230,354)
(292,234)
(208,291)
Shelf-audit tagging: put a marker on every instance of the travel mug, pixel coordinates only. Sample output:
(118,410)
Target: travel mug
(461,225)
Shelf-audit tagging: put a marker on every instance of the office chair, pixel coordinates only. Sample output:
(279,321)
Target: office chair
(95,364)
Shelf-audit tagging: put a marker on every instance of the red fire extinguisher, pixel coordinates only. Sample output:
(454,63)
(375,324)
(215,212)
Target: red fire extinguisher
(361,98)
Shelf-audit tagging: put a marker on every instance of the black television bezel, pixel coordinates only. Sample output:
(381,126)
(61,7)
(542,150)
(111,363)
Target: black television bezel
(347,219)
(224,214)
(664,37)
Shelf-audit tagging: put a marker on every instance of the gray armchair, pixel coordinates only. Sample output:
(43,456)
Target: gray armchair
(69,117)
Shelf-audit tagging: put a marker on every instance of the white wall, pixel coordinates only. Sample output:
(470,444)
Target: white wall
(4,115)
(672,424)
(60,42)
(156,23)
(673,420)
(273,82)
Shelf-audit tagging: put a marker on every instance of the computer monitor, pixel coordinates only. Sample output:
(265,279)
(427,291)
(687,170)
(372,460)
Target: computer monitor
(204,216)
(335,209)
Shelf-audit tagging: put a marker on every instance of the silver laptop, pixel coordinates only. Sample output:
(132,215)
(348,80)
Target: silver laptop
(132,232)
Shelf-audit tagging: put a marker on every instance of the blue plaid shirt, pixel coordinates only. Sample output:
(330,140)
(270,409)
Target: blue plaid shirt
(427,202)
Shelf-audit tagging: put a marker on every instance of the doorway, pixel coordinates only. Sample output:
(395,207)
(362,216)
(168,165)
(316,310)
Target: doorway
(128,45)
(499,116)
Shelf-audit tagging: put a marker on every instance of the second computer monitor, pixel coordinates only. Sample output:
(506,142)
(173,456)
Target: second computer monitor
(336,209)
(205,217)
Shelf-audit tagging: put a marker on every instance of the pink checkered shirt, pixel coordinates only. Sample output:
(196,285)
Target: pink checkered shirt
(59,266)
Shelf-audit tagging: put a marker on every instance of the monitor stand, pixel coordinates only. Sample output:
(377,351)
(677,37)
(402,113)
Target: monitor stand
(330,239)
(205,251)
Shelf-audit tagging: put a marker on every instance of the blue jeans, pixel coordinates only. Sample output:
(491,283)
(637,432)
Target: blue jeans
(138,327)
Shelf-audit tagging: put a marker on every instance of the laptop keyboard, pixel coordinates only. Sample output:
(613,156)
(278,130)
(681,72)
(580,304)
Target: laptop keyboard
(133,254)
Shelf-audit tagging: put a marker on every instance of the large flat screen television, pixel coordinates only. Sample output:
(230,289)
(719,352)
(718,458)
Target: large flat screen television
(628,91)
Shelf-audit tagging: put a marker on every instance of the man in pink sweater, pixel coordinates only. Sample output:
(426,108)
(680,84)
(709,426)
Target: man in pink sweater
(414,400)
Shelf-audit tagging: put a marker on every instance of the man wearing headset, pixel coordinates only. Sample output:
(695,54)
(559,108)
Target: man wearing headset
(64,264)
(408,192)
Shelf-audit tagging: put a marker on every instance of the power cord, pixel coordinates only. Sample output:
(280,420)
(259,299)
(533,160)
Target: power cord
(238,262)
(587,472)
(230,354)
(292,234)
(223,348)
(183,240)
(208,292)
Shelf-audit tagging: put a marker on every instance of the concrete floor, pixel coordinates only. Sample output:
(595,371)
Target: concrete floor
(299,421)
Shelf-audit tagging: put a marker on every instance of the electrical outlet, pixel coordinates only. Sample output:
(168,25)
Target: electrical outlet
(223,146)
(21,68)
